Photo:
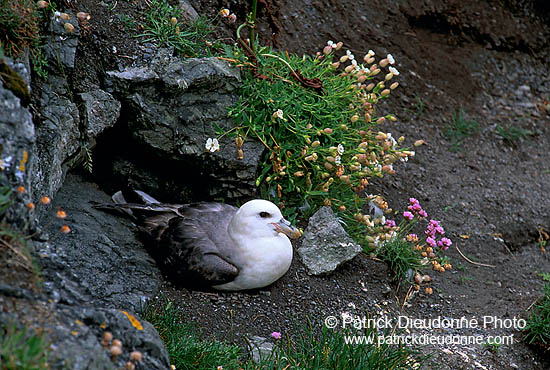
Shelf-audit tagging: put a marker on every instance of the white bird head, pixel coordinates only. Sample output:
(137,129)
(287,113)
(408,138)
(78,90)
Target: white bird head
(261,218)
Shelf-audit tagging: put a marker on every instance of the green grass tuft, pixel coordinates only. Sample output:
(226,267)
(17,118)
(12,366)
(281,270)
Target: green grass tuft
(401,257)
(459,129)
(20,349)
(308,348)
(537,330)
(188,41)
(183,341)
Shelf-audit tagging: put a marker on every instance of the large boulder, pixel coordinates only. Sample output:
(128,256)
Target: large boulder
(173,106)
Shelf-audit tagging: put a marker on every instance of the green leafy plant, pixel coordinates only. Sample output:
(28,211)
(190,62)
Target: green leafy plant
(459,129)
(492,345)
(163,26)
(20,349)
(537,330)
(320,129)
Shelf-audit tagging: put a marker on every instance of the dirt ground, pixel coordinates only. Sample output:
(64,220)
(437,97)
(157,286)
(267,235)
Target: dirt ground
(487,58)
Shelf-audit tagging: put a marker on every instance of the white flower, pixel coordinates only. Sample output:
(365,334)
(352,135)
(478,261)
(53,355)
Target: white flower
(57,16)
(394,71)
(338,160)
(350,55)
(340,149)
(5,163)
(371,53)
(354,62)
(212,145)
(331,44)
(277,114)
(390,59)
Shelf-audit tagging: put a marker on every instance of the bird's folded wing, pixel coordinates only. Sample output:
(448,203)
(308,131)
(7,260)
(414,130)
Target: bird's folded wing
(191,254)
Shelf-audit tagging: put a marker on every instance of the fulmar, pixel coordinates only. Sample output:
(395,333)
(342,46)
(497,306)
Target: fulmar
(213,244)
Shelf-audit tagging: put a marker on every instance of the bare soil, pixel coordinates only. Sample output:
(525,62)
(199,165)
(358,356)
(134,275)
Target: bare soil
(488,58)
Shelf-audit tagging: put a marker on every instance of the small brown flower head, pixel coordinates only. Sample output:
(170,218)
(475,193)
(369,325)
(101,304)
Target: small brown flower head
(115,352)
(426,278)
(232,18)
(64,16)
(431,254)
(42,4)
(394,85)
(342,208)
(429,290)
(130,366)
(225,13)
(416,287)
(418,278)
(327,202)
(107,338)
(61,213)
(65,229)
(240,153)
(327,131)
(354,118)
(448,266)
(424,254)
(68,27)
(339,45)
(20,189)
(136,356)
(45,200)
(30,205)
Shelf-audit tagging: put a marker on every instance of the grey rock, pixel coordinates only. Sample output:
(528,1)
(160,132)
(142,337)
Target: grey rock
(175,105)
(58,136)
(101,110)
(75,334)
(260,348)
(17,137)
(61,45)
(325,243)
(189,13)
(100,262)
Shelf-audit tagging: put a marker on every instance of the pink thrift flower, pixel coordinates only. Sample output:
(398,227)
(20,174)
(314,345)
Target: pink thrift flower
(439,230)
(422,213)
(446,242)
(413,201)
(276,335)
(409,216)
(390,223)
(434,223)
(431,242)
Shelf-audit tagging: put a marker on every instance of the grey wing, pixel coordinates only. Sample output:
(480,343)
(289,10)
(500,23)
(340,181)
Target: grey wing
(190,253)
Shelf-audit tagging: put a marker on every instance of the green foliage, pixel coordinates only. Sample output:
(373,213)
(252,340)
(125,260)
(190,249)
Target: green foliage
(19,25)
(5,199)
(460,129)
(537,330)
(328,349)
(307,348)
(163,26)
(22,350)
(513,134)
(545,276)
(185,346)
(493,344)
(320,131)
(401,257)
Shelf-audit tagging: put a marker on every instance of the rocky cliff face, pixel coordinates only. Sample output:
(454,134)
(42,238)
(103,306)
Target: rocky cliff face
(150,122)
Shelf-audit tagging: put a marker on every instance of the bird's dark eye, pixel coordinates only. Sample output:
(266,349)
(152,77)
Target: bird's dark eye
(264,215)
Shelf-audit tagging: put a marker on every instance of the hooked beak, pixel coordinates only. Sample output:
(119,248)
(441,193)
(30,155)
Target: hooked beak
(285,227)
